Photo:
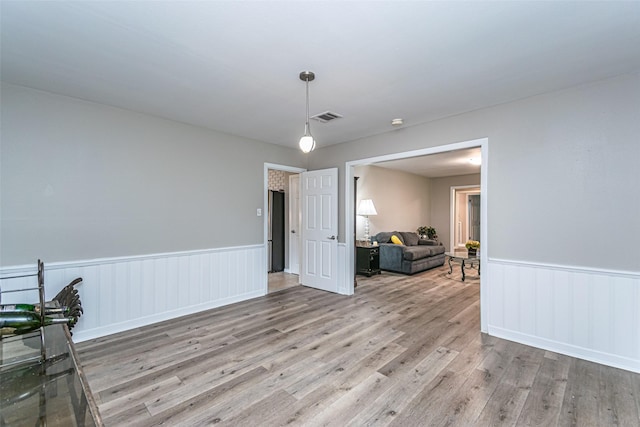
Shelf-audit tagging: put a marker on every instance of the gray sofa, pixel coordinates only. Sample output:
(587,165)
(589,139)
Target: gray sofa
(413,256)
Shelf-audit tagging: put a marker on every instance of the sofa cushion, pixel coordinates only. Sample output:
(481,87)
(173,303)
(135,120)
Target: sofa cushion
(427,242)
(396,240)
(412,253)
(409,238)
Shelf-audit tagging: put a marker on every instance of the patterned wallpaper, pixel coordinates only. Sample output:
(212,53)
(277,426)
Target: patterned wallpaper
(278,180)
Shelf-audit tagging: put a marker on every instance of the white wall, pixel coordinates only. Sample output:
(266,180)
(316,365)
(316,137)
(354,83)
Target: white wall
(81,181)
(158,217)
(402,199)
(561,204)
(557,171)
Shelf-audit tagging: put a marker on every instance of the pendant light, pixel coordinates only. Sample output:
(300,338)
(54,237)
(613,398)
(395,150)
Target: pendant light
(307,143)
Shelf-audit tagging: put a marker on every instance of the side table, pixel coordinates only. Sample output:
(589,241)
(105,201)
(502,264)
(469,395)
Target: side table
(368,260)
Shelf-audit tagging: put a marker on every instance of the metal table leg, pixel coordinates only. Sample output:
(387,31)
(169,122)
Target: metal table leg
(462,268)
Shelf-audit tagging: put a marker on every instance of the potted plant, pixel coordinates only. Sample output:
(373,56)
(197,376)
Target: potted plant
(472,247)
(430,232)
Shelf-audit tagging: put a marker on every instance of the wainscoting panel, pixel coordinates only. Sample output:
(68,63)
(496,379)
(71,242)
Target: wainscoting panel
(124,293)
(342,271)
(590,314)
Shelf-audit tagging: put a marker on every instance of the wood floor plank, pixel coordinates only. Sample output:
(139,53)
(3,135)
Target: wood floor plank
(256,414)
(129,401)
(542,407)
(179,366)
(506,402)
(580,406)
(616,396)
(351,403)
(392,402)
(204,407)
(446,388)
(403,350)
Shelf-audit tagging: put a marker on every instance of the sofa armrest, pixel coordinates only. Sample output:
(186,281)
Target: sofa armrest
(391,256)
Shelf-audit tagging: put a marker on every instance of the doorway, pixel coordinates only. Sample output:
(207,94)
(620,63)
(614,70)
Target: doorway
(349,211)
(465,216)
(280,222)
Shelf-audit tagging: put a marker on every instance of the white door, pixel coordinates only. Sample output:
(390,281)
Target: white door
(294,224)
(319,195)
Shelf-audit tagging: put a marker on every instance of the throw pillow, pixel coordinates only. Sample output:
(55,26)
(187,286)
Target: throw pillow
(383,237)
(409,238)
(396,240)
(398,235)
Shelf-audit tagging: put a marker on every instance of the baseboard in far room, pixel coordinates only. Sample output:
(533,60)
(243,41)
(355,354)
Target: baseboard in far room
(122,293)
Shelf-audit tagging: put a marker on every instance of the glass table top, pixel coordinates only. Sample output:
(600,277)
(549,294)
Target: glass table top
(463,255)
(52,393)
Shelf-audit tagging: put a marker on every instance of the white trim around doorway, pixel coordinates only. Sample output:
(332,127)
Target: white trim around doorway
(349,210)
(265,209)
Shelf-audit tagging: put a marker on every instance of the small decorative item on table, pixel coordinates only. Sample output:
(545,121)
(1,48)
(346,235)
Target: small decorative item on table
(472,247)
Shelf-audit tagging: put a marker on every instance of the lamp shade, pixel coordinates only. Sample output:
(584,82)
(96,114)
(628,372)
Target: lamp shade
(307,143)
(366,207)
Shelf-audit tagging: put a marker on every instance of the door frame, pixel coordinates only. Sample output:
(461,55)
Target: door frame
(349,210)
(265,212)
(455,189)
(297,233)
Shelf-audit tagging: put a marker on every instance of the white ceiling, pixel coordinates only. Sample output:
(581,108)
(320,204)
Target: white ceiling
(233,66)
(439,165)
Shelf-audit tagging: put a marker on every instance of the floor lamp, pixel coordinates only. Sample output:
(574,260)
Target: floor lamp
(366,208)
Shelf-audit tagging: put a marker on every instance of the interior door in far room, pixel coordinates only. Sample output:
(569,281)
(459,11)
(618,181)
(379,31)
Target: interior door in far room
(474,217)
(276,231)
(319,196)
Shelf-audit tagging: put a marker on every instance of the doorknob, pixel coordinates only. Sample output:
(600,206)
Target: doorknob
(293,231)
(331,237)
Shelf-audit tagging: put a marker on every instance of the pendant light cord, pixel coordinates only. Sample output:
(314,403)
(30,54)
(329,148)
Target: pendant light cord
(306,125)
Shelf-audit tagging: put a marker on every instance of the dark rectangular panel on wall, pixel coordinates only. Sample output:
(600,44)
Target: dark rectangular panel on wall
(276,217)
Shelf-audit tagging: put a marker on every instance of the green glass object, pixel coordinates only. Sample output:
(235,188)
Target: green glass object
(16,323)
(17,308)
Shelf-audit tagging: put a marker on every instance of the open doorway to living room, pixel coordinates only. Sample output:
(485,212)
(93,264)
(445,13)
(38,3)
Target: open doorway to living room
(416,192)
(412,191)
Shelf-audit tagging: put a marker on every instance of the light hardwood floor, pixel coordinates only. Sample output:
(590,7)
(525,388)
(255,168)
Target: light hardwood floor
(281,280)
(403,351)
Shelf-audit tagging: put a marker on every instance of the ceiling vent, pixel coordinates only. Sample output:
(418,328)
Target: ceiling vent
(325,117)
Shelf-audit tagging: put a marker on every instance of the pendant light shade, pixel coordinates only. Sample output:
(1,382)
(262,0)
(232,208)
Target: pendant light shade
(307,143)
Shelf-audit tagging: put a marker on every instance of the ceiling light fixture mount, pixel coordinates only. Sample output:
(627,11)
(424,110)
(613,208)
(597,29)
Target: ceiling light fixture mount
(477,161)
(307,142)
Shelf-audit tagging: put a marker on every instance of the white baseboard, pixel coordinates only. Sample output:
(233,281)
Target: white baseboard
(79,336)
(568,349)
